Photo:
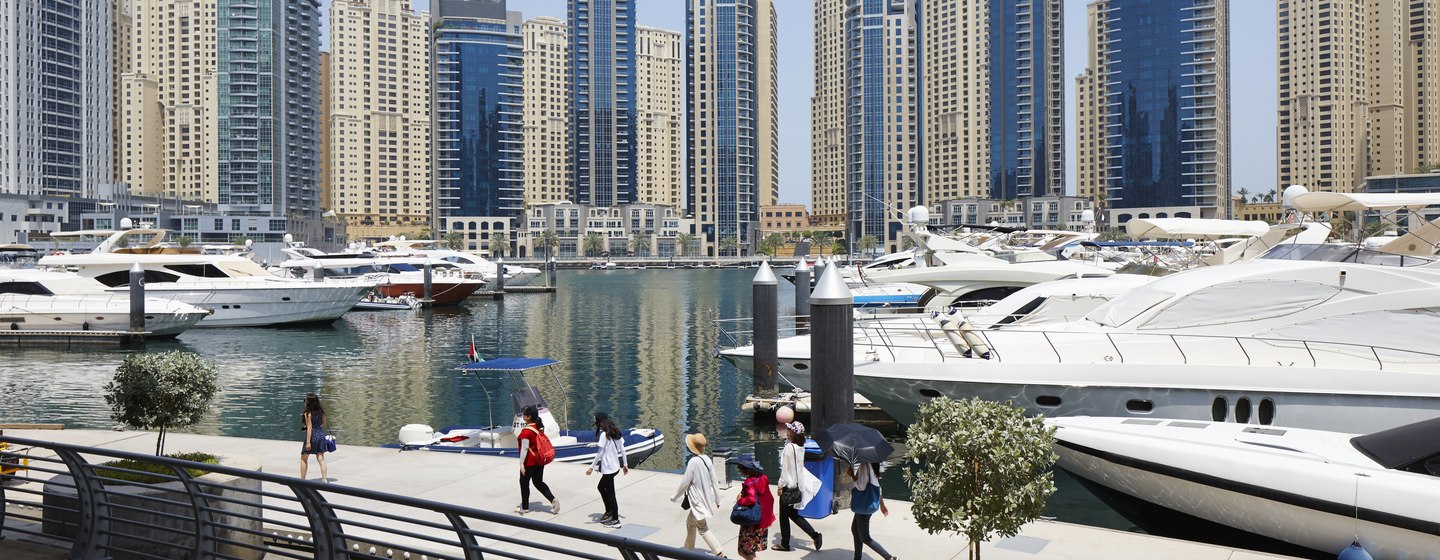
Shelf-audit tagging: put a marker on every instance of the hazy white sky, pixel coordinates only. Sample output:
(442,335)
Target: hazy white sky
(1252,96)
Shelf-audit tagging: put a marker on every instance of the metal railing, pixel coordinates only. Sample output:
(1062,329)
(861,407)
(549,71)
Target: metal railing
(57,491)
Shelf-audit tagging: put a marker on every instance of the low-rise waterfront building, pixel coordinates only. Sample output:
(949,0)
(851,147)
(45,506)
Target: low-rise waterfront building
(1038,212)
(581,230)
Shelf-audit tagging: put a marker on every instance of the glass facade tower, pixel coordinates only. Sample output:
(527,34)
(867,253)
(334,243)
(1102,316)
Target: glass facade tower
(602,107)
(268,101)
(1027,156)
(880,135)
(479,135)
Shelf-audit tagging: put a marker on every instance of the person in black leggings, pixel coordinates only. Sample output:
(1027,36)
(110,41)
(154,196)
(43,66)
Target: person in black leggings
(531,469)
(863,498)
(792,459)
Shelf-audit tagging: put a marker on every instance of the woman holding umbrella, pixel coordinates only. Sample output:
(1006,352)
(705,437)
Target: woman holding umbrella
(864,447)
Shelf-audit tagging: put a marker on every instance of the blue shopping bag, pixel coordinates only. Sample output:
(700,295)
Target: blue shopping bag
(823,467)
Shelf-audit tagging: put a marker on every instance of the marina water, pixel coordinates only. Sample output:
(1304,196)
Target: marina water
(639,344)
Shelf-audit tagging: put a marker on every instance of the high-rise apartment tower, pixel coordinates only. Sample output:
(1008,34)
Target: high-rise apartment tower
(659,113)
(547,109)
(602,105)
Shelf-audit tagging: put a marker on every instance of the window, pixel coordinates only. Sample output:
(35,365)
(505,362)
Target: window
(24,288)
(121,278)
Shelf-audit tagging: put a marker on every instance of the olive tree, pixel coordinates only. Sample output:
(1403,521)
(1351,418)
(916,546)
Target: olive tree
(161,391)
(982,469)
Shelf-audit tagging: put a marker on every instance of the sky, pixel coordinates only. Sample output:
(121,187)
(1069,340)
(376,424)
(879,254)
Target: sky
(1252,82)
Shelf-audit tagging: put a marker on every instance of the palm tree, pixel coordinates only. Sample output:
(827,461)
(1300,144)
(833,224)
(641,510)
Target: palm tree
(184,240)
(840,247)
(771,244)
(640,244)
(729,245)
(682,243)
(455,241)
(867,244)
(1270,196)
(547,240)
(594,244)
(499,243)
(1244,195)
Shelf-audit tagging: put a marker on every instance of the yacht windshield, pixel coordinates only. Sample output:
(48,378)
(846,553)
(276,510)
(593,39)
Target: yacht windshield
(1341,253)
(1128,306)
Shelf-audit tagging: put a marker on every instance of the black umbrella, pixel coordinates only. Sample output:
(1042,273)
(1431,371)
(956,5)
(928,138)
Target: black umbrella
(854,444)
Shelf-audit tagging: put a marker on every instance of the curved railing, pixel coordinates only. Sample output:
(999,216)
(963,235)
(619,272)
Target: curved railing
(56,491)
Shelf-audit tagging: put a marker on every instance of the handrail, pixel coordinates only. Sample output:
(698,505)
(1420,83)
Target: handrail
(99,517)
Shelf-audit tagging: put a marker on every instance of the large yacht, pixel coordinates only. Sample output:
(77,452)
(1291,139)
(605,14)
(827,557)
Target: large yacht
(393,277)
(1322,336)
(237,290)
(470,263)
(36,300)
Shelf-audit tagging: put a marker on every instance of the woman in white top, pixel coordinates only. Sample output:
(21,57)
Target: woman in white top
(865,500)
(610,458)
(698,488)
(792,461)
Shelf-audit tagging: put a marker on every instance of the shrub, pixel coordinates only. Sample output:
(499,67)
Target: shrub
(161,391)
(162,473)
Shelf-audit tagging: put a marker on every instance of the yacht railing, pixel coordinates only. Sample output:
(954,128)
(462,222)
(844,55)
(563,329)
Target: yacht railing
(927,342)
(61,493)
(741,331)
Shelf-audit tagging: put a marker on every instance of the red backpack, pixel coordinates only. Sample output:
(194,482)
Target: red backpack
(543,449)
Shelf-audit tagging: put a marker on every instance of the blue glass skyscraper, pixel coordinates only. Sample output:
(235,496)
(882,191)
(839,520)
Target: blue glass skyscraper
(880,115)
(478,132)
(602,104)
(1027,146)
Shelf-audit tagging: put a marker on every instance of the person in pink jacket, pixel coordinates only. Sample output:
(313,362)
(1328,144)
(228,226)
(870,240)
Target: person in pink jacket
(755,489)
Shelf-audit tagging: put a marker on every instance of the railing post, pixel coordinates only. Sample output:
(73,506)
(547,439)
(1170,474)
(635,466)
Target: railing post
(467,541)
(92,541)
(200,503)
(325,529)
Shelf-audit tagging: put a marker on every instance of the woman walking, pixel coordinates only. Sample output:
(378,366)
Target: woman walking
(610,458)
(314,421)
(865,499)
(792,465)
(700,494)
(755,490)
(532,466)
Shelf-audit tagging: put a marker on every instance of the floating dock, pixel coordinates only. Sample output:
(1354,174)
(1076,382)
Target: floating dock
(19,337)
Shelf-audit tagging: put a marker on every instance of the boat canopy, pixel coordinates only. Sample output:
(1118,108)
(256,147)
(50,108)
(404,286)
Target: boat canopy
(1176,228)
(1412,447)
(1349,202)
(508,364)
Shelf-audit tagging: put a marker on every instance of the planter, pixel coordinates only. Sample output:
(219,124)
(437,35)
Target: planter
(61,516)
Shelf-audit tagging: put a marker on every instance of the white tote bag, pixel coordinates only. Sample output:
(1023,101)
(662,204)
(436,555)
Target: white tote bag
(809,483)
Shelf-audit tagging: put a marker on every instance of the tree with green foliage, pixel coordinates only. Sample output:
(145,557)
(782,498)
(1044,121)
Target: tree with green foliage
(593,245)
(729,245)
(867,244)
(163,391)
(771,244)
(683,243)
(455,241)
(547,241)
(499,243)
(840,247)
(239,239)
(980,468)
(640,244)
(184,241)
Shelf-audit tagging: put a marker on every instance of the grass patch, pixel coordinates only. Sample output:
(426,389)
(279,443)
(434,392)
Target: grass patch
(162,473)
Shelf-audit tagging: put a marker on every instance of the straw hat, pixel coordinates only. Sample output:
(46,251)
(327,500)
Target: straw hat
(696,443)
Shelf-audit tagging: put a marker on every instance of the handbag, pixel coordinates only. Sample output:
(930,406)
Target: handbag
(746,516)
(867,501)
(790,496)
(329,443)
(685,504)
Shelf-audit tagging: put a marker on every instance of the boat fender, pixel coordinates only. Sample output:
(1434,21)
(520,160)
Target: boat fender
(1354,552)
(974,341)
(951,328)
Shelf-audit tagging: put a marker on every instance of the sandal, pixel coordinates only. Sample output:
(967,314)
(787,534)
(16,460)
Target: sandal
(520,510)
(781,548)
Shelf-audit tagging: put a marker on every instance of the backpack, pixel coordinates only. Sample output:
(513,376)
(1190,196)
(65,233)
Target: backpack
(543,449)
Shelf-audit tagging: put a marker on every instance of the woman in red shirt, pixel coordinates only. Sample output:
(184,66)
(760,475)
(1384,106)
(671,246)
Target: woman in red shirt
(756,488)
(531,467)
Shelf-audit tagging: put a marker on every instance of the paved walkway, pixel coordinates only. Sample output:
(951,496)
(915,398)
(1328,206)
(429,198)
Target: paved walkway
(491,483)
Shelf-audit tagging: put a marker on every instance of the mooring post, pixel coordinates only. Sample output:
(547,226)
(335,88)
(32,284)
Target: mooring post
(832,352)
(802,297)
(318,273)
(819,270)
(137,299)
(765,307)
(429,284)
(499,275)
(551,271)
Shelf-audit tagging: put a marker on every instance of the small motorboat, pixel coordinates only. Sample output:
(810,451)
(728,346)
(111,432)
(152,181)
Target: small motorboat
(571,446)
(372,302)
(1314,489)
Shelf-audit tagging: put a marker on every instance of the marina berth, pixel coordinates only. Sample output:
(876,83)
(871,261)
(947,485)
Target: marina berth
(36,300)
(392,278)
(1321,490)
(237,291)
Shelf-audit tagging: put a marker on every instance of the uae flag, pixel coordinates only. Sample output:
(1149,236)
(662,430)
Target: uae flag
(474,356)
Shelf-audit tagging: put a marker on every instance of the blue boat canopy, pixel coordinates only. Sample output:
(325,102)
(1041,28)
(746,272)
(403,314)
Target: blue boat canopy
(508,364)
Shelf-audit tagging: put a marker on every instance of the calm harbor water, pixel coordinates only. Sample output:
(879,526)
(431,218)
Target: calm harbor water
(639,344)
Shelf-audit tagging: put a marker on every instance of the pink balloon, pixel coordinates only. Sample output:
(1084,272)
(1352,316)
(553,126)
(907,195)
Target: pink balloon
(784,415)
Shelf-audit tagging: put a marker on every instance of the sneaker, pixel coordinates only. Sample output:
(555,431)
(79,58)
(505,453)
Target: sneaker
(555,506)
(615,524)
(606,519)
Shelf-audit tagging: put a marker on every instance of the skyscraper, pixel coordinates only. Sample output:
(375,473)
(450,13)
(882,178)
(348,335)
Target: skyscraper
(479,135)
(1165,105)
(268,105)
(169,100)
(659,111)
(379,119)
(602,106)
(1026,96)
(827,115)
(55,120)
(547,108)
(733,127)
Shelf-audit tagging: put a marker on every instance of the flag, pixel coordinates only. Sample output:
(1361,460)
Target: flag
(474,356)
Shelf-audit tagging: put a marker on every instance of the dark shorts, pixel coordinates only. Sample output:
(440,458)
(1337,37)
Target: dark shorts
(752,539)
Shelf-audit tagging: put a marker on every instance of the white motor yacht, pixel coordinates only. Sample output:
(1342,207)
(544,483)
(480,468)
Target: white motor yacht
(237,290)
(1316,489)
(37,300)
(1325,336)
(470,263)
(394,277)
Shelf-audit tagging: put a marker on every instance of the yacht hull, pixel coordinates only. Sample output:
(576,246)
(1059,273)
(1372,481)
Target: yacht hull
(1262,484)
(158,323)
(1316,398)
(263,305)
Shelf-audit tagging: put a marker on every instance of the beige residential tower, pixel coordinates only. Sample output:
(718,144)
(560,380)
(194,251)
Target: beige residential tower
(547,135)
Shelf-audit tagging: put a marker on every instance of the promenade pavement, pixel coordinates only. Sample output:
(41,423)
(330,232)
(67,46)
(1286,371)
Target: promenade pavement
(492,484)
